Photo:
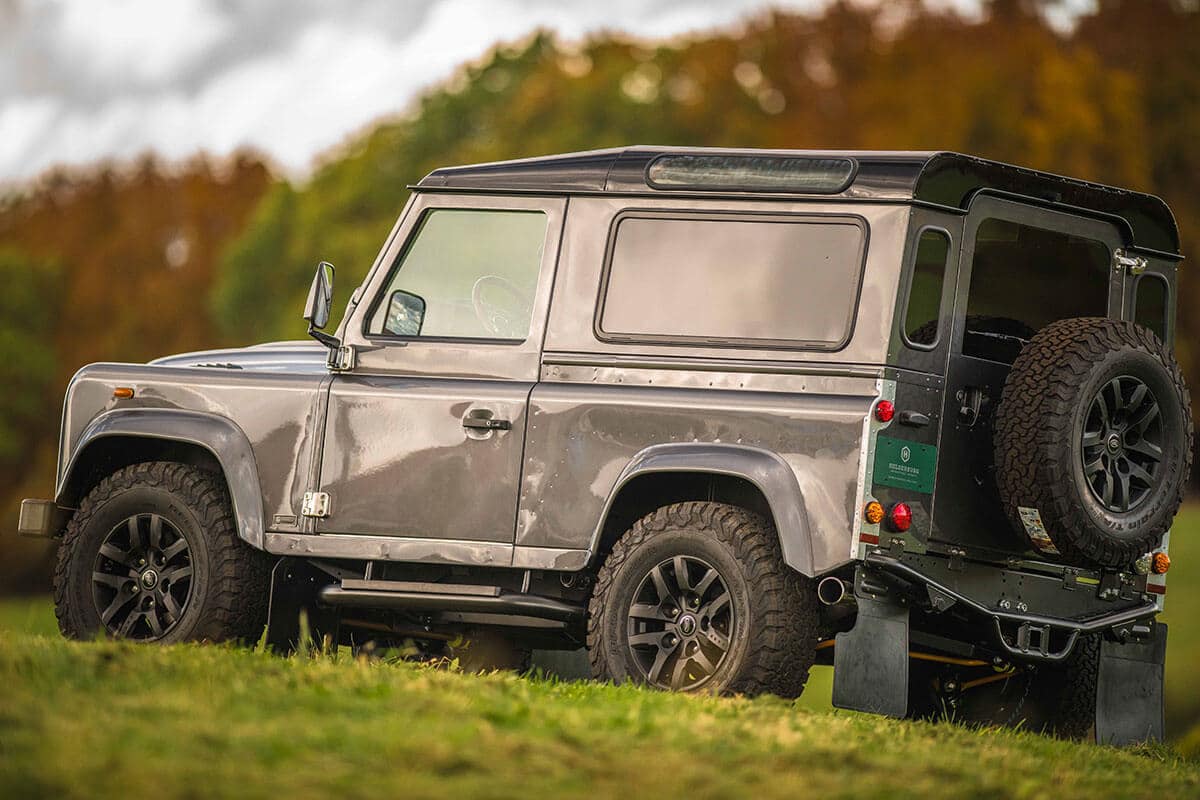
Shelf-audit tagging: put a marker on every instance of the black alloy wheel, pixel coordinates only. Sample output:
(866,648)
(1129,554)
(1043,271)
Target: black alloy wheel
(142,578)
(696,597)
(153,554)
(1122,443)
(681,623)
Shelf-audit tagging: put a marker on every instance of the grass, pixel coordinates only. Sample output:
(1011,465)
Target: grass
(104,719)
(107,719)
(1182,616)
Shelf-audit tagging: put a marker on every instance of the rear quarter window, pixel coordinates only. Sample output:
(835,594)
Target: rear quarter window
(784,281)
(1151,304)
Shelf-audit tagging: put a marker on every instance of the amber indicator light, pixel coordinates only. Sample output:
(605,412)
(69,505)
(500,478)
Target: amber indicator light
(123,392)
(1160,564)
(873,513)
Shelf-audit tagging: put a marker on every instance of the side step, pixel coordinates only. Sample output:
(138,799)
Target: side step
(414,596)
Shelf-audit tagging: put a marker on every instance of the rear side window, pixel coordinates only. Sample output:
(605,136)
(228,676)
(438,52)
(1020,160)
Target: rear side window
(778,280)
(925,291)
(1151,309)
(1023,278)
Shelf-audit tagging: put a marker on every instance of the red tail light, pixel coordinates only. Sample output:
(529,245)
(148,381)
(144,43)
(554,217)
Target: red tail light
(900,517)
(885,410)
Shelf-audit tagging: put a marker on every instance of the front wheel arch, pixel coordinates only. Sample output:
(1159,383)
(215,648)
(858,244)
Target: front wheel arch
(123,437)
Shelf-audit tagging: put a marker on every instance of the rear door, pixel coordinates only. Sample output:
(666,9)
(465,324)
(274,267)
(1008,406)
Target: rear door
(1022,267)
(425,435)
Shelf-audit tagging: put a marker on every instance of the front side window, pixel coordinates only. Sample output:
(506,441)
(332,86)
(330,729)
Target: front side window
(1023,278)
(467,273)
(776,280)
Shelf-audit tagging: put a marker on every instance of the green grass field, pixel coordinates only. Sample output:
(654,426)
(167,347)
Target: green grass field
(105,719)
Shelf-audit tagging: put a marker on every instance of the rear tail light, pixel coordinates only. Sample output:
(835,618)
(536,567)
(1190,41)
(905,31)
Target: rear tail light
(885,410)
(1160,564)
(900,517)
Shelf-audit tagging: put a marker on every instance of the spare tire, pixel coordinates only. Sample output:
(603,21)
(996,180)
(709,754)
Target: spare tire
(1093,441)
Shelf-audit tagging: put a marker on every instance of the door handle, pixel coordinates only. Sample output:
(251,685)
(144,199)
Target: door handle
(486,424)
(914,419)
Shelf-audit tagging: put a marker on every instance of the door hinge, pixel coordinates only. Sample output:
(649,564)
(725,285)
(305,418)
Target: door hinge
(316,504)
(1123,262)
(342,357)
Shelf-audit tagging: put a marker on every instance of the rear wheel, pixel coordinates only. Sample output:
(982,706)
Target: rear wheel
(696,597)
(152,555)
(1059,699)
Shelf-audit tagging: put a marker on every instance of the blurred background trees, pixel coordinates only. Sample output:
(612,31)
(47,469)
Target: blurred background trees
(129,263)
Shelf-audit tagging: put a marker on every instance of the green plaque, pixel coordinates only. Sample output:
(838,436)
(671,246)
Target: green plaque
(904,465)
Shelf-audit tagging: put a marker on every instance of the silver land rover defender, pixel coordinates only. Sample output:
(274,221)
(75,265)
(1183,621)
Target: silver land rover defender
(715,415)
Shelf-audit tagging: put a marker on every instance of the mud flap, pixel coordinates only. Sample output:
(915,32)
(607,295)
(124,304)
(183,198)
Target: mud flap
(870,661)
(294,587)
(1129,690)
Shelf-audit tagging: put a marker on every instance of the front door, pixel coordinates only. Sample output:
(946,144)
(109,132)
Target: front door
(424,436)
(1022,268)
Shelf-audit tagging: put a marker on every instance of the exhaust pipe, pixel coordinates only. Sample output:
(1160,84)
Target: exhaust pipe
(833,591)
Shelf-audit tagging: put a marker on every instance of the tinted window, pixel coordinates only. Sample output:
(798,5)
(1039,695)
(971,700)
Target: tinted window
(925,293)
(1023,278)
(1151,309)
(465,274)
(721,279)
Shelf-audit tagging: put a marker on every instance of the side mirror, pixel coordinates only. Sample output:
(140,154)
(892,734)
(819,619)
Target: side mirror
(320,297)
(405,315)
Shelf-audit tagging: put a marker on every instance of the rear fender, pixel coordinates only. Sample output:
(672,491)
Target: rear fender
(762,468)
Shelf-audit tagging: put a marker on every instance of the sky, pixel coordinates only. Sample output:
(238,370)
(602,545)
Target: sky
(82,80)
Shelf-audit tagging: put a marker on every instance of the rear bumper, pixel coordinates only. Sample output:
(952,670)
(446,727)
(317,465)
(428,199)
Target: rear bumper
(41,518)
(1032,632)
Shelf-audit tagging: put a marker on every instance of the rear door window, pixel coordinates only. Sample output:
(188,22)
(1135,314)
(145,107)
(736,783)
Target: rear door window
(1023,278)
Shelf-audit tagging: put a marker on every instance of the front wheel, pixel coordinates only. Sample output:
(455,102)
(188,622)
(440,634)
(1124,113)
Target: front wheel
(152,555)
(696,597)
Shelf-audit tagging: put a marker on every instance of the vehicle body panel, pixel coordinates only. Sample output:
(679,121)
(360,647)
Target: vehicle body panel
(398,461)
(276,412)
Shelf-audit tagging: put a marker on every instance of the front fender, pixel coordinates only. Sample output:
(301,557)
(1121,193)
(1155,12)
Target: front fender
(764,469)
(219,435)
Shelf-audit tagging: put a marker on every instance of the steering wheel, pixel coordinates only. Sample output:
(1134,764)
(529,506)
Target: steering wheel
(508,319)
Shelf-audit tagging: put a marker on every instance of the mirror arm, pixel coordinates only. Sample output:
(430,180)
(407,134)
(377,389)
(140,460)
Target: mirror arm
(332,342)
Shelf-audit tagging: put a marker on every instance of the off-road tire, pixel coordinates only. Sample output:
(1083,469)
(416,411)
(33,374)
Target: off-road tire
(773,645)
(1067,693)
(1039,430)
(1058,699)
(229,595)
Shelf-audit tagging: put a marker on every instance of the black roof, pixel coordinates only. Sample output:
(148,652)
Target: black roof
(936,178)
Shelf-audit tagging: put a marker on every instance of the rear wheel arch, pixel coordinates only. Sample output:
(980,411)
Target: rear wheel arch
(748,477)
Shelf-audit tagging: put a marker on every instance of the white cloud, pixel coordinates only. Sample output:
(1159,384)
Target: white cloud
(87,79)
(149,41)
